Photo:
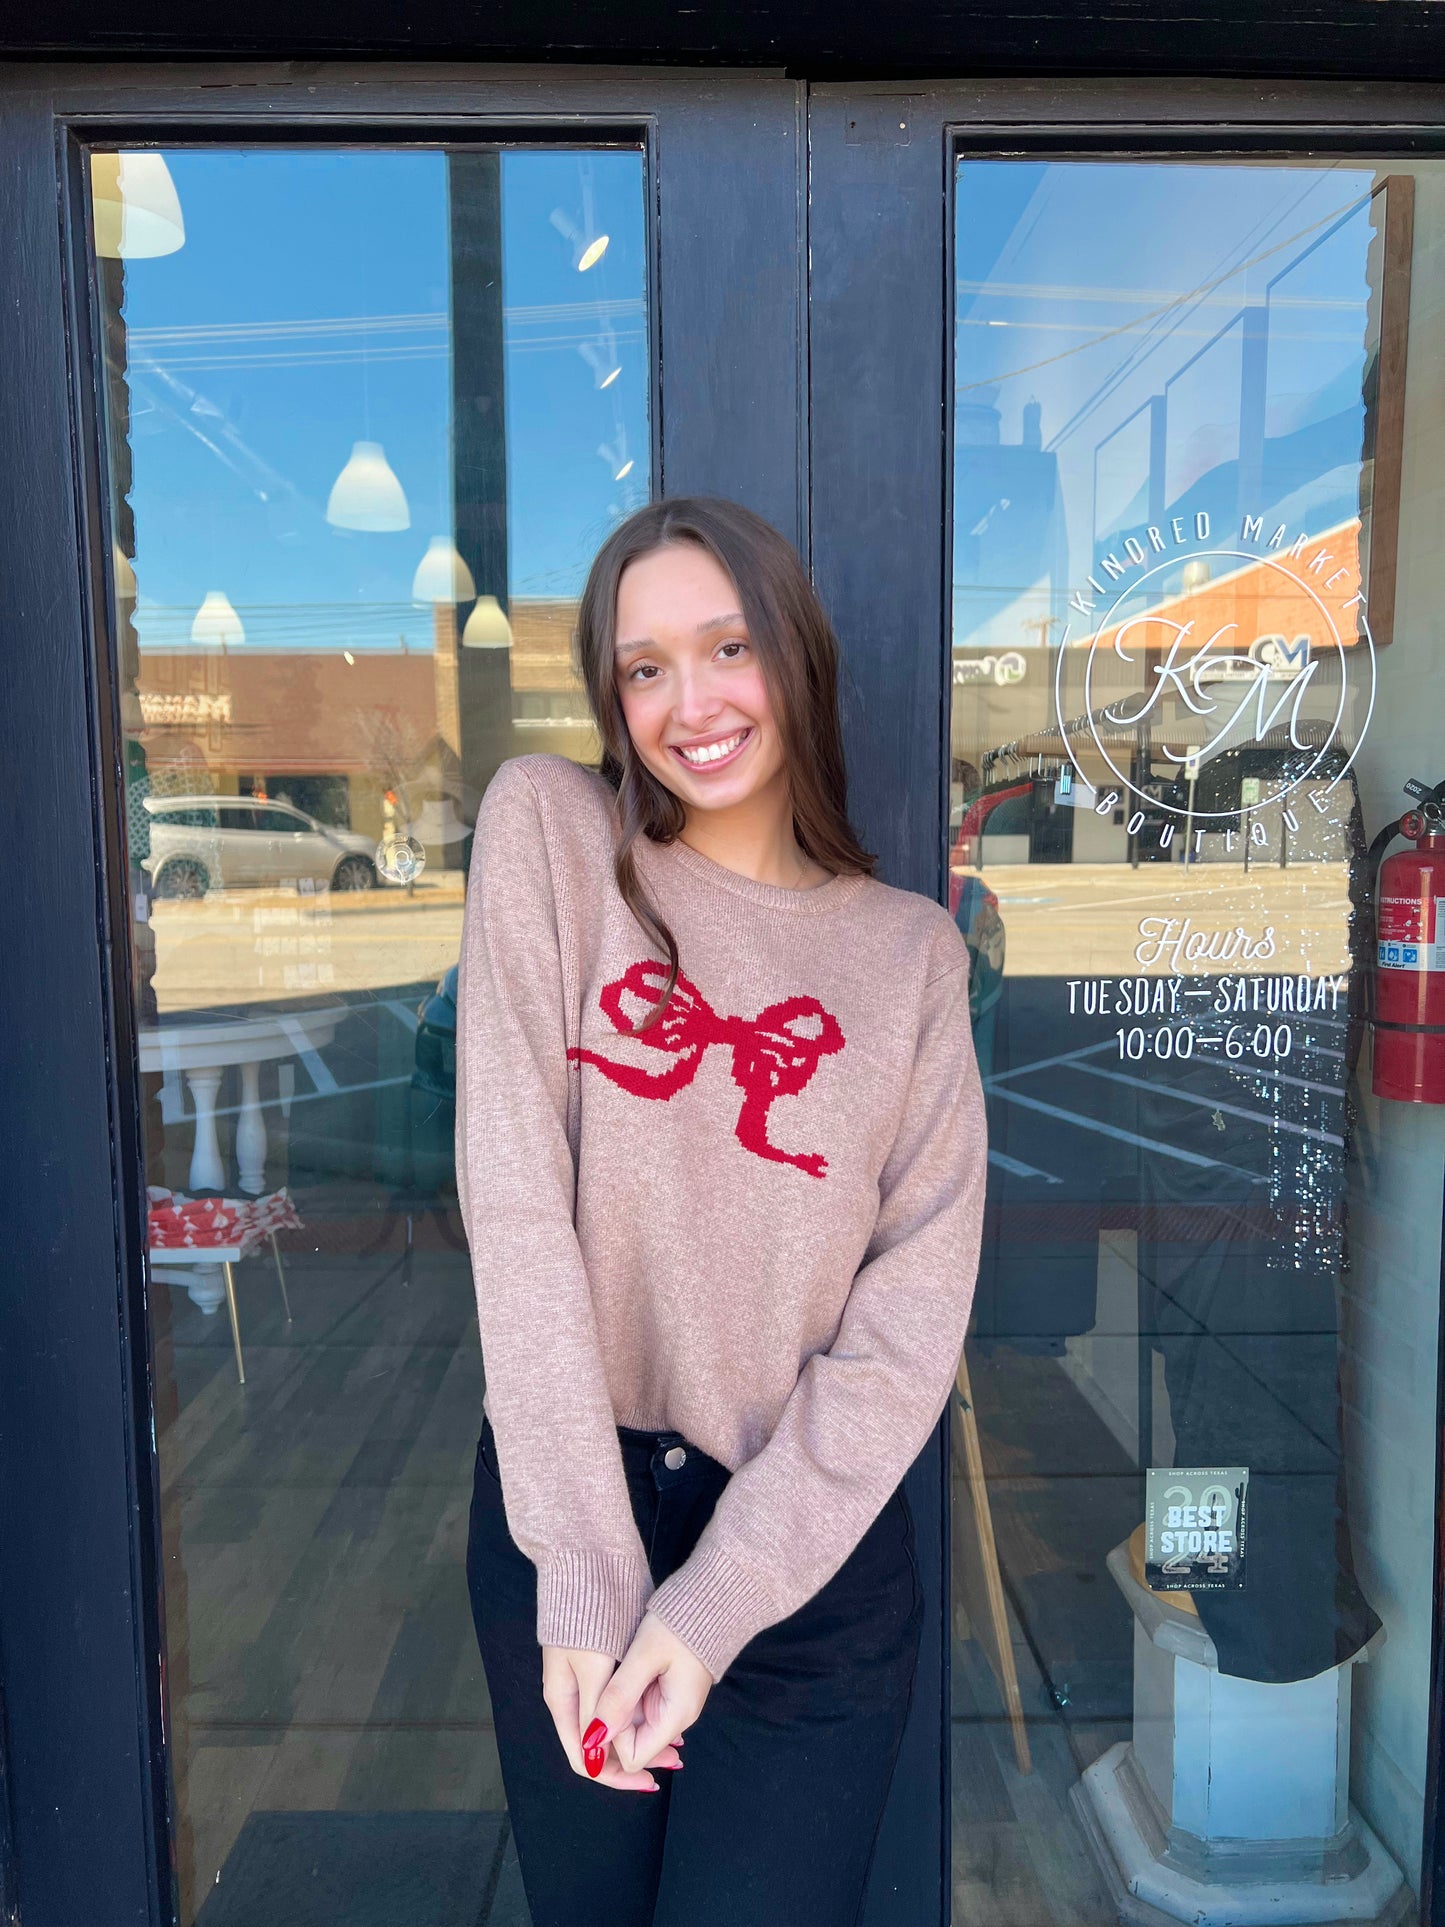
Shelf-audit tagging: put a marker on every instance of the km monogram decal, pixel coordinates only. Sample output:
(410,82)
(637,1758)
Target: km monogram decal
(773,1054)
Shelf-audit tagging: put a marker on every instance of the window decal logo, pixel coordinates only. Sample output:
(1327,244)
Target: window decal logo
(1180,650)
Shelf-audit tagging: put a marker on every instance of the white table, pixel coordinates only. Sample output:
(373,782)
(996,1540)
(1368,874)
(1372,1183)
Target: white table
(203,1051)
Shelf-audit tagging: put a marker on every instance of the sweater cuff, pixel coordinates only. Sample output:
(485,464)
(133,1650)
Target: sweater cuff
(713,1607)
(593,1601)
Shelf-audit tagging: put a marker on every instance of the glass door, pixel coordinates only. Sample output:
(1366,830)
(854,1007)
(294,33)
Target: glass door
(368,413)
(1191,679)
(364,382)
(1192,670)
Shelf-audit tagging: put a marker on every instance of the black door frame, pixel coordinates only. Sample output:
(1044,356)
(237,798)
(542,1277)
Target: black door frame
(1342,39)
(881,358)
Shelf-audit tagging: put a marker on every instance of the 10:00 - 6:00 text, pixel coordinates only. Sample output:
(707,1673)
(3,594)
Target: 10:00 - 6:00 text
(1263,1041)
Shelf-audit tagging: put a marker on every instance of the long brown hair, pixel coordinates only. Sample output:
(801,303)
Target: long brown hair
(798,653)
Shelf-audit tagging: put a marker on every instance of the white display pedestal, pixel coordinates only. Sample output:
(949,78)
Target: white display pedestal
(1230,1806)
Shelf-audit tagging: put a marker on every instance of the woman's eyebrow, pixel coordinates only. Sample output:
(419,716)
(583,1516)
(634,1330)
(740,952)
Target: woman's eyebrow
(703,628)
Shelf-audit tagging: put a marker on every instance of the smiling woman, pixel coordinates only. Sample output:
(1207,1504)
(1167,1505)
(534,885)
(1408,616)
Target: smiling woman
(705,1383)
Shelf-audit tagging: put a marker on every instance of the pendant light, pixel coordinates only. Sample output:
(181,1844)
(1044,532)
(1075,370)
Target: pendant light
(616,456)
(217,622)
(367,495)
(601,358)
(442,575)
(487,626)
(136,209)
(587,250)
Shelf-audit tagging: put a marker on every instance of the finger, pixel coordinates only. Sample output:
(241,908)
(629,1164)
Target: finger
(592,1735)
(636,1746)
(649,1742)
(648,1708)
(561,1697)
(617,1703)
(657,1729)
(614,1776)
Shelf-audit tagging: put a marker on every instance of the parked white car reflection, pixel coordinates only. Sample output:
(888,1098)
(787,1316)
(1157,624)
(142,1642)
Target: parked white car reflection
(201,843)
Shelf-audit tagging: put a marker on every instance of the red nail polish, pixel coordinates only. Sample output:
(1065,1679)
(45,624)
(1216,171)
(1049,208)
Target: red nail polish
(593,1760)
(595,1736)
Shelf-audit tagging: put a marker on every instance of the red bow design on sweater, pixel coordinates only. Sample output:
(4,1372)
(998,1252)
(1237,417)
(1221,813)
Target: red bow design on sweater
(774,1053)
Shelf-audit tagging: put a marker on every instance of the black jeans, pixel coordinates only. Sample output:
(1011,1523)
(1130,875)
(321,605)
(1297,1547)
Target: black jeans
(772,1820)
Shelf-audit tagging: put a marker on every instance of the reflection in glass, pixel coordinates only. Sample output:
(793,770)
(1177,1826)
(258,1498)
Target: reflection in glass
(369,415)
(1192,574)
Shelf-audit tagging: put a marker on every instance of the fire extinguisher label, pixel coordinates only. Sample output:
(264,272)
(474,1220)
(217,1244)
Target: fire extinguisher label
(1404,941)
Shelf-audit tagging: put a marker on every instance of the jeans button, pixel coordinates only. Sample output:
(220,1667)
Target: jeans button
(674,1458)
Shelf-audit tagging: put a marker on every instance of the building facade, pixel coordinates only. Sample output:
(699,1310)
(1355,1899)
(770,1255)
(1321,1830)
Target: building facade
(1106,408)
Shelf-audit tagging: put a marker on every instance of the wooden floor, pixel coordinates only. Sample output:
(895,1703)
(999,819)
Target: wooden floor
(320,1652)
(320,1648)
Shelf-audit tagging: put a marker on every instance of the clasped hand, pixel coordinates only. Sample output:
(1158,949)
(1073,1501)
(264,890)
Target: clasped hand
(642,1705)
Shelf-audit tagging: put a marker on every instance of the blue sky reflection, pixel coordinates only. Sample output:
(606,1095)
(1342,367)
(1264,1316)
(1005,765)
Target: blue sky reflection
(308,310)
(1103,377)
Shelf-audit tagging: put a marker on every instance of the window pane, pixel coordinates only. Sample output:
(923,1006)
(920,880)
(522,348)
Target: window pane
(369,415)
(240,816)
(1195,571)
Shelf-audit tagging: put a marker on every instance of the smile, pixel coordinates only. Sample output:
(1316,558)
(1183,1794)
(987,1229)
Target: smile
(711,755)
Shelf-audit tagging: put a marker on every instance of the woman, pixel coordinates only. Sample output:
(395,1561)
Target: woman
(721,1161)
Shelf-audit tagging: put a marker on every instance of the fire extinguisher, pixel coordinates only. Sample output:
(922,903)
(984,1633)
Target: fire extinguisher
(1408,980)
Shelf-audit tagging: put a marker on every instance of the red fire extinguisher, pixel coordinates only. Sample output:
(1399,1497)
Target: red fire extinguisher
(1408,982)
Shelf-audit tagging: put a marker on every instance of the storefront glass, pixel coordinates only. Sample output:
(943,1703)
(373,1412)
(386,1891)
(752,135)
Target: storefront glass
(1197,658)
(369,415)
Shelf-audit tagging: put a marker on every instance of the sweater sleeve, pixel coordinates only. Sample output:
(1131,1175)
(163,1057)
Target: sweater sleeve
(565,1492)
(863,1409)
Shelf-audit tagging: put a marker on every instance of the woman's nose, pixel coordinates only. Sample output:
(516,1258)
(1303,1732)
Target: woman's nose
(697,702)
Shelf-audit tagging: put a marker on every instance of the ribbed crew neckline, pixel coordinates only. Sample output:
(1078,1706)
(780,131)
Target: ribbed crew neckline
(822,897)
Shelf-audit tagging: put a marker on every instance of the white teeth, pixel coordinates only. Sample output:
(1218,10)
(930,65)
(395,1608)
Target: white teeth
(713,752)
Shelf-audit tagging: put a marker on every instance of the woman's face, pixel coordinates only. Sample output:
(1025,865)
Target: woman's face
(690,682)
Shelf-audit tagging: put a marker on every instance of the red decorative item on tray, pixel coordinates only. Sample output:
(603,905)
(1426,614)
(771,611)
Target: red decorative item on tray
(176,1221)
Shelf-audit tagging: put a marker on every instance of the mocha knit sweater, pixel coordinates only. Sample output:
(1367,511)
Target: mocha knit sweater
(757,1224)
